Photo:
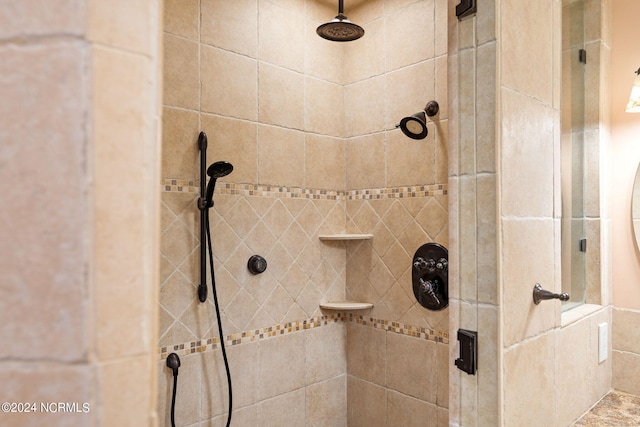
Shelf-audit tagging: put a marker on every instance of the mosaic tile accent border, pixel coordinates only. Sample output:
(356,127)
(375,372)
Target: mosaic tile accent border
(402,328)
(229,188)
(404,192)
(202,346)
(180,186)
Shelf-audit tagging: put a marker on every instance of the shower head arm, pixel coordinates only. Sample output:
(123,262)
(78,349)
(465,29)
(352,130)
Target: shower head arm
(340,7)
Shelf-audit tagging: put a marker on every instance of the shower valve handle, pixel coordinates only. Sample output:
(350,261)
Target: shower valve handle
(424,264)
(429,287)
(442,264)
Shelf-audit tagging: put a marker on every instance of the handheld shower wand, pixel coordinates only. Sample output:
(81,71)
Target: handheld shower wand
(215,171)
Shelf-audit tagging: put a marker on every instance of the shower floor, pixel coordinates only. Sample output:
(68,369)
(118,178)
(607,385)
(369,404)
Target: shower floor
(615,409)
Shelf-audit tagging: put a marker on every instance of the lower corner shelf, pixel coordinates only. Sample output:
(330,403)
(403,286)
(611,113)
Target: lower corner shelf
(345,236)
(346,305)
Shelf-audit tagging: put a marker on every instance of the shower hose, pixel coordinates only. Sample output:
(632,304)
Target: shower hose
(174,362)
(220,334)
(173,400)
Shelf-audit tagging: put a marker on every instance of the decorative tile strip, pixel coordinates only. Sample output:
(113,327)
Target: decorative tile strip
(401,328)
(397,192)
(208,344)
(274,191)
(180,186)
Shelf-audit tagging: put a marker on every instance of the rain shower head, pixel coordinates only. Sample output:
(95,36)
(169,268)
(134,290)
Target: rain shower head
(215,171)
(340,29)
(415,126)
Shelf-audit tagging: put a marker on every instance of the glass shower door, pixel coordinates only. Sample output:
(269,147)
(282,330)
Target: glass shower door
(574,243)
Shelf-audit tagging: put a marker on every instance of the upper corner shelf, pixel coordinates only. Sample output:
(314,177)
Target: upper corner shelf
(345,236)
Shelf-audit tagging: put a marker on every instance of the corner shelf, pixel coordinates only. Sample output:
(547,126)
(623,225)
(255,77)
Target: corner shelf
(345,236)
(346,305)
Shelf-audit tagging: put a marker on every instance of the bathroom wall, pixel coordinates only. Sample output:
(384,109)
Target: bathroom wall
(79,138)
(309,126)
(625,158)
(505,220)
(540,343)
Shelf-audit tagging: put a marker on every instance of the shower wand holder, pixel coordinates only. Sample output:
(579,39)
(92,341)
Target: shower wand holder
(202,204)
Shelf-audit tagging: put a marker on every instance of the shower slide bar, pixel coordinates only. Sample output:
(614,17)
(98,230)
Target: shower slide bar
(202,287)
(215,171)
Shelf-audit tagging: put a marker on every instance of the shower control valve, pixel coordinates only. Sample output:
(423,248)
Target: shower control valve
(430,276)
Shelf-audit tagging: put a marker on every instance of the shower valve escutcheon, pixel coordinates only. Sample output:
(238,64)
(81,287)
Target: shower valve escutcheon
(540,294)
(430,276)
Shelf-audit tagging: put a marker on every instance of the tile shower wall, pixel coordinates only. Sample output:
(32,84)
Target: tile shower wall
(79,127)
(309,126)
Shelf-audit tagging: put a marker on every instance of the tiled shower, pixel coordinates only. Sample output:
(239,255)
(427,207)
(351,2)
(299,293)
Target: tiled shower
(80,281)
(309,126)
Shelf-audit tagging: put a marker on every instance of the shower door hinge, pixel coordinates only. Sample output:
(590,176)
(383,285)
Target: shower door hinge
(582,56)
(583,245)
(468,360)
(466,8)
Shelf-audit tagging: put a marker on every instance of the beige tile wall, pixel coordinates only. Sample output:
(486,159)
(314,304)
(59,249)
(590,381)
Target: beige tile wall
(80,131)
(626,353)
(473,201)
(394,379)
(309,126)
